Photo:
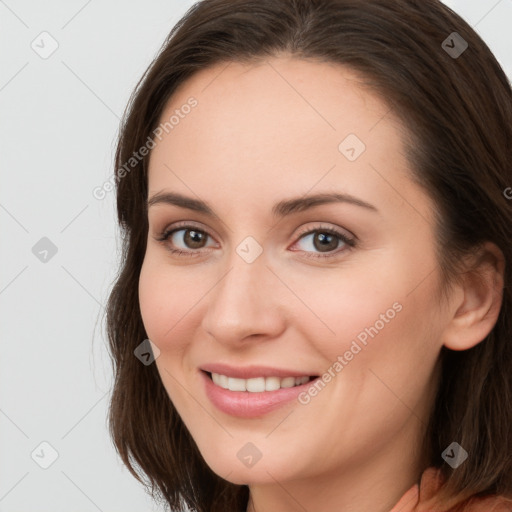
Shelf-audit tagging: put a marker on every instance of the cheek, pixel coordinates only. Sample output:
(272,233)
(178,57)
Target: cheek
(173,300)
(339,305)
(368,314)
(164,301)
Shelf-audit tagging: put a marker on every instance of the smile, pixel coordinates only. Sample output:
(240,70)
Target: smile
(254,396)
(257,384)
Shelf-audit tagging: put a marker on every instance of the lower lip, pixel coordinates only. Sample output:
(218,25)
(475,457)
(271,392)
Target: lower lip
(246,404)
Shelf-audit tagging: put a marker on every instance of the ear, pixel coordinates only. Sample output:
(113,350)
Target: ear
(479,301)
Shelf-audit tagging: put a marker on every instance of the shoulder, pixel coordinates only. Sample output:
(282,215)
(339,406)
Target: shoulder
(432,481)
(422,497)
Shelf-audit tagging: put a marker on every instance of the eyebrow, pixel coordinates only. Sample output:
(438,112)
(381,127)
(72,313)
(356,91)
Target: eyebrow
(280,209)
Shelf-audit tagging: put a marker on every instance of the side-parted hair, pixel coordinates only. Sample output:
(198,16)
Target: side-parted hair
(457,112)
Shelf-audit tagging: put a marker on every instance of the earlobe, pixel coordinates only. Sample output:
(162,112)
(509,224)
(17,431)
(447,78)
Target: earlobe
(477,312)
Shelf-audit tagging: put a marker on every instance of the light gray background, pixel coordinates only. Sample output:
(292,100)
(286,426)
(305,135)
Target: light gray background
(59,118)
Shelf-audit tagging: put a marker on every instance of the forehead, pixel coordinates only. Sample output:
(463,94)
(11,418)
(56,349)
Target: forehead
(281,125)
(297,100)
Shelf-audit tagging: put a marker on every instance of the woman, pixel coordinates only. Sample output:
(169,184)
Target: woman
(314,305)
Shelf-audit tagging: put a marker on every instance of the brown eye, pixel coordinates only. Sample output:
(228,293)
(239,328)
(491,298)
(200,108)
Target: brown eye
(186,240)
(193,238)
(323,243)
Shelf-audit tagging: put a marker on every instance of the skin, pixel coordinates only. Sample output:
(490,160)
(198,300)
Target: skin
(263,132)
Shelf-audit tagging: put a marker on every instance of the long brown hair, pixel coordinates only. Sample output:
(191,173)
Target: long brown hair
(458,113)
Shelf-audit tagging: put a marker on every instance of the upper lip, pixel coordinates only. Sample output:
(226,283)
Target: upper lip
(249,372)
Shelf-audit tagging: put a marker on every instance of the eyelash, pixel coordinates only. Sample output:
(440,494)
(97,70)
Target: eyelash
(350,242)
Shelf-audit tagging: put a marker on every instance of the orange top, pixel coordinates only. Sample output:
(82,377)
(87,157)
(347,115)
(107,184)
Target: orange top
(431,480)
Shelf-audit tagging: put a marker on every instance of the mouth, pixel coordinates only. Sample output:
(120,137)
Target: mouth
(258,384)
(255,396)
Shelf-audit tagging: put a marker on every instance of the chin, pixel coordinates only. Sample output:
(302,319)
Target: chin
(229,464)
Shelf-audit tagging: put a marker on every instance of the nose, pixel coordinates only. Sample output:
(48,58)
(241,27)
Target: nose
(246,303)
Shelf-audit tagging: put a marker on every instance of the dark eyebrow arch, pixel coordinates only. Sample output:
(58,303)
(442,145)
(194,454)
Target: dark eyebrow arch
(300,204)
(281,209)
(181,200)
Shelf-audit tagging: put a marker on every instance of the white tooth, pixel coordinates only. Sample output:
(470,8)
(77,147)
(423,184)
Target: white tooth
(288,382)
(236,384)
(272,383)
(256,385)
(223,381)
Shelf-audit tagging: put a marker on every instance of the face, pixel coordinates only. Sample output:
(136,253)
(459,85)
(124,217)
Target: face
(302,252)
